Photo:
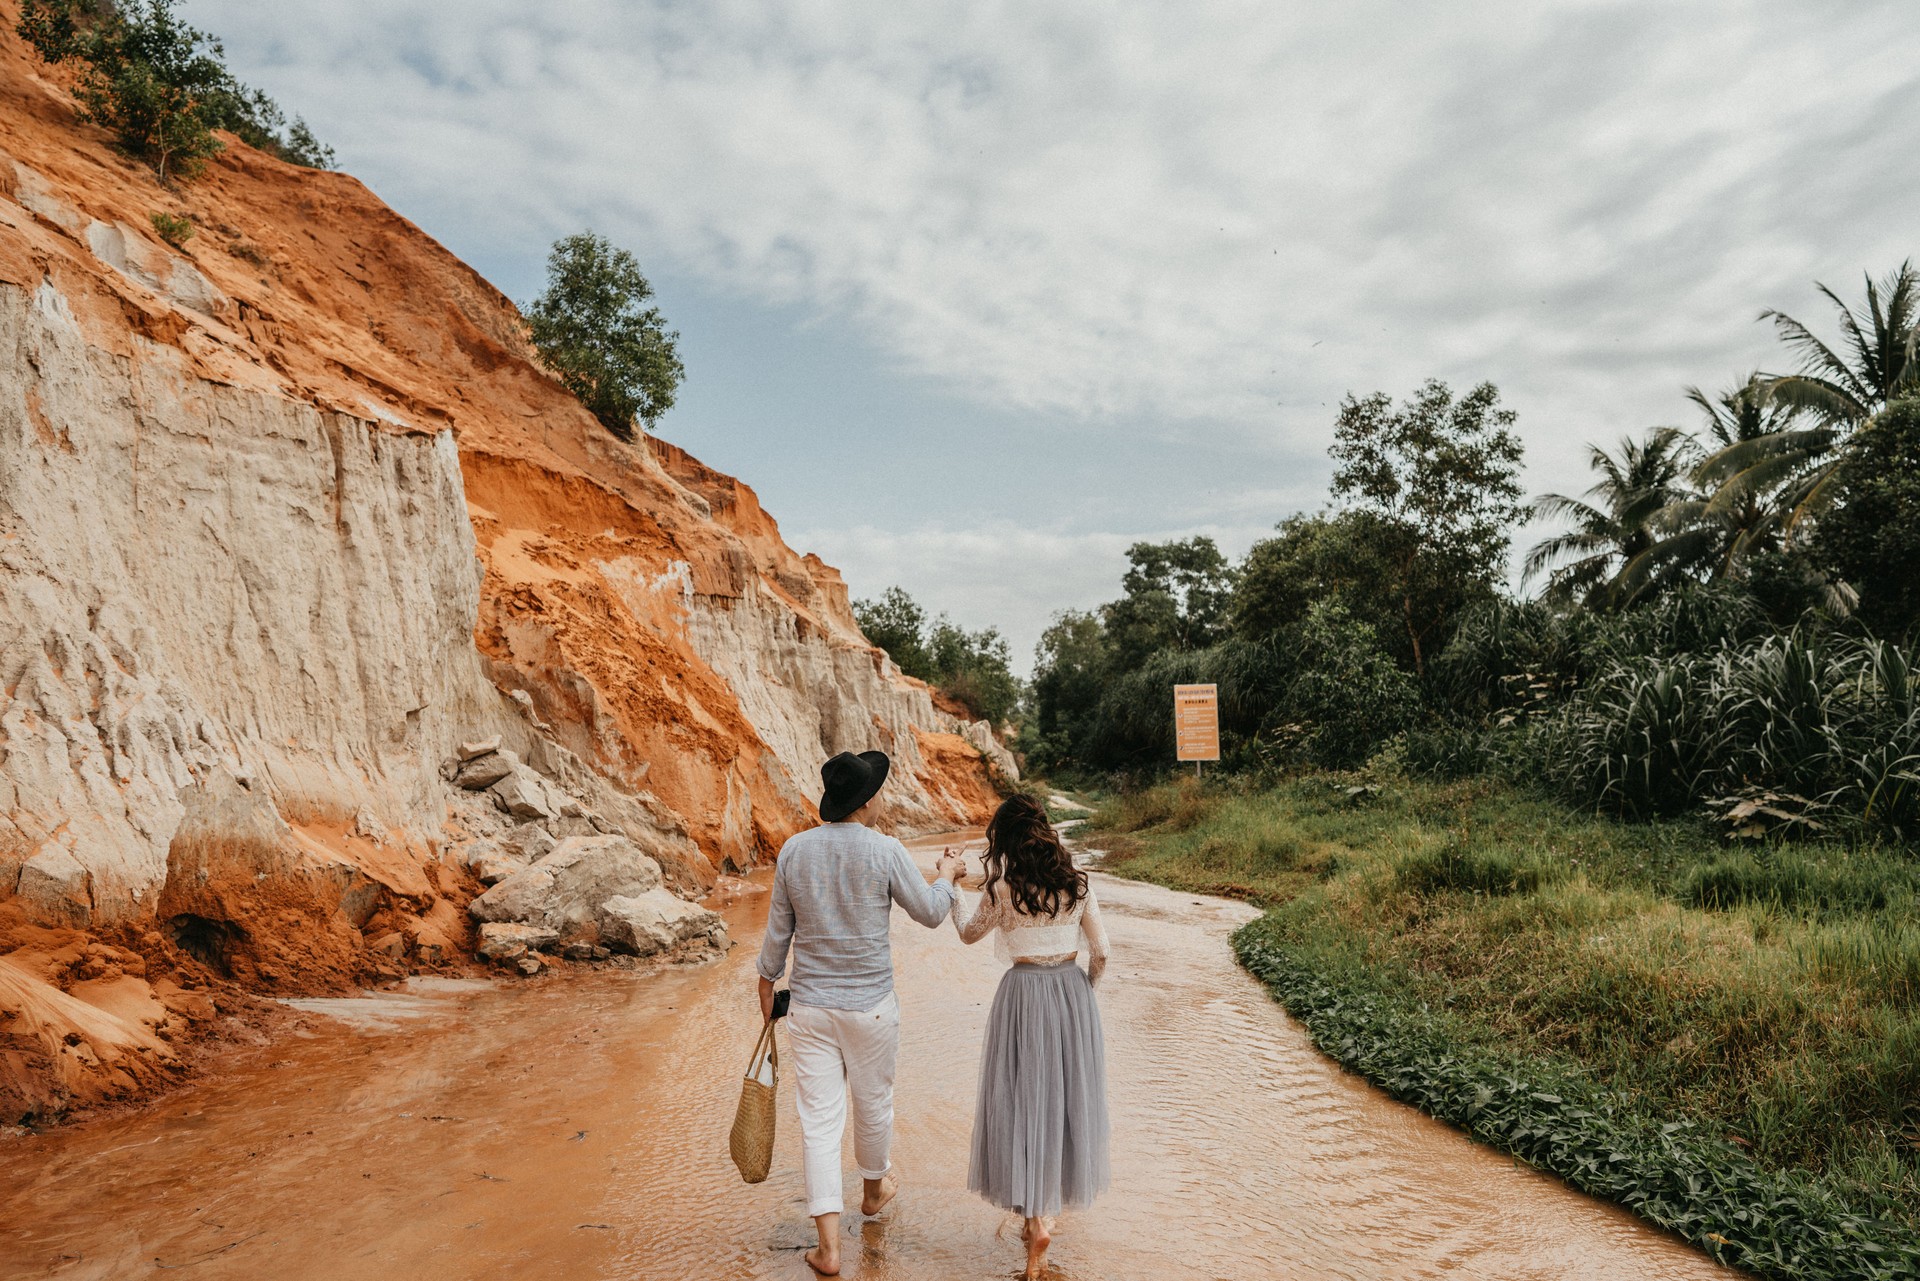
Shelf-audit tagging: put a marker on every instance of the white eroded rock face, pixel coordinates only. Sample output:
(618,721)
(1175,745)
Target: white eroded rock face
(203,579)
(217,599)
(809,694)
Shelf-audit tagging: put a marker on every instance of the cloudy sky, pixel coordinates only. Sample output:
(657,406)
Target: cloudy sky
(977,295)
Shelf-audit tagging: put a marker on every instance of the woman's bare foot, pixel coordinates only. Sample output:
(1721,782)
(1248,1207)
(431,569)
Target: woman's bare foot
(1039,1235)
(878,1193)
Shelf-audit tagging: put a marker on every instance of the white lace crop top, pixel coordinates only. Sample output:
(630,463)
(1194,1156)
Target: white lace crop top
(1043,940)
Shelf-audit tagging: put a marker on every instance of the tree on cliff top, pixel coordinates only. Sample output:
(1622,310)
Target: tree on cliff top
(160,85)
(593,329)
(974,669)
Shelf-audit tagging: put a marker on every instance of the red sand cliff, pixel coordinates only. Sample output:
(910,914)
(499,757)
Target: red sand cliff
(645,603)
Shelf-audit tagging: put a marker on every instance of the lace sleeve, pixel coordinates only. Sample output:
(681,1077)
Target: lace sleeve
(1096,932)
(976,924)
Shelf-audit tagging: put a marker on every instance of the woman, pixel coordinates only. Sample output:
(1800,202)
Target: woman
(1040,1124)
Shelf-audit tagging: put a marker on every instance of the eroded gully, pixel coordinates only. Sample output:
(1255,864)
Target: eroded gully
(576,1128)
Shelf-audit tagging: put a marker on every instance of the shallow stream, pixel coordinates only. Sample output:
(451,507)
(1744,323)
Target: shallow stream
(575,1127)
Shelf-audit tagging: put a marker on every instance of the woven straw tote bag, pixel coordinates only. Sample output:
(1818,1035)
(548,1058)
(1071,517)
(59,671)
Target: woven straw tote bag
(751,1142)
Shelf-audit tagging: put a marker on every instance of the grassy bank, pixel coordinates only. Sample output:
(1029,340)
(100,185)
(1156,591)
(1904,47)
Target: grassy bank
(1726,1040)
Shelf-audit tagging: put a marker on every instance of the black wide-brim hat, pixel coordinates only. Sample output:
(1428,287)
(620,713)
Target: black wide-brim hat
(850,781)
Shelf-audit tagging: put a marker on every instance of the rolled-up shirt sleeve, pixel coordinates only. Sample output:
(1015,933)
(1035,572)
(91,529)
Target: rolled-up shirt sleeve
(779,936)
(927,904)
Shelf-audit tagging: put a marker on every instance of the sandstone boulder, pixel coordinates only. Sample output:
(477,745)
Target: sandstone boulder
(505,941)
(483,747)
(656,921)
(56,887)
(523,794)
(479,773)
(368,827)
(529,843)
(564,890)
(494,868)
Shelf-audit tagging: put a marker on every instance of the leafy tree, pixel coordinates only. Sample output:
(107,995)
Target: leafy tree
(1444,475)
(156,82)
(1347,692)
(593,329)
(1177,597)
(975,669)
(1350,556)
(1604,560)
(1871,536)
(159,84)
(1071,665)
(897,624)
(256,119)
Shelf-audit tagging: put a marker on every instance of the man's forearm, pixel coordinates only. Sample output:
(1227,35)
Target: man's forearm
(936,902)
(766,999)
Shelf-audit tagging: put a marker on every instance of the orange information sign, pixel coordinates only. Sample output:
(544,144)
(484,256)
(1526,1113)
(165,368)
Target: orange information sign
(1196,722)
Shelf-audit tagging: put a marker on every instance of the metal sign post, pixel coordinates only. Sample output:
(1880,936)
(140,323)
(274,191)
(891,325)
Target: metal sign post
(1196,724)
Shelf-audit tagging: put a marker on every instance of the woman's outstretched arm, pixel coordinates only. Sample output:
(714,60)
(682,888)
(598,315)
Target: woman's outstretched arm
(976,923)
(1096,933)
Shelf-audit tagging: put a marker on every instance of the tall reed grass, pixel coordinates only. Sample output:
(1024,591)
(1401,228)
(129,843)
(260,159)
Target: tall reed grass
(1820,727)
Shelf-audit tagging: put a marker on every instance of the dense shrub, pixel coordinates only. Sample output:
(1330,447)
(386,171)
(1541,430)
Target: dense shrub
(160,85)
(1872,536)
(1446,750)
(1322,692)
(1347,694)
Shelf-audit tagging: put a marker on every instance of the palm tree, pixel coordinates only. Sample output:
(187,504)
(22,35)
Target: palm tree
(1731,512)
(1881,341)
(1608,558)
(1841,394)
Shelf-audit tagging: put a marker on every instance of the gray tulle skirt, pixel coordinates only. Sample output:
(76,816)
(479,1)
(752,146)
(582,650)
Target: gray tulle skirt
(1040,1123)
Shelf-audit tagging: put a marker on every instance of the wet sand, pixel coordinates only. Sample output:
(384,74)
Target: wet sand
(575,1128)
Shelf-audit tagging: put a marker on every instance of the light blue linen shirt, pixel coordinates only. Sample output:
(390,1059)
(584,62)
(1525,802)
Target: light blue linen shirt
(833,894)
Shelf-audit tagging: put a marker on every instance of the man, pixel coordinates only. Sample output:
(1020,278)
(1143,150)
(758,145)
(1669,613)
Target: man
(833,896)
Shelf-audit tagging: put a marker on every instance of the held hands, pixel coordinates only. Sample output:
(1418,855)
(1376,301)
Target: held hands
(952,865)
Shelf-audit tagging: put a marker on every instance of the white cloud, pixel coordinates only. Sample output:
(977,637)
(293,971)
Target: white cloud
(1220,216)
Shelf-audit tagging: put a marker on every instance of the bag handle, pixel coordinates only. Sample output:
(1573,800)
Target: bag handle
(766,1048)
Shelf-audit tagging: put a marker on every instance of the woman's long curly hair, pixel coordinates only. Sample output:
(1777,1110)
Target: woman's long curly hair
(1025,852)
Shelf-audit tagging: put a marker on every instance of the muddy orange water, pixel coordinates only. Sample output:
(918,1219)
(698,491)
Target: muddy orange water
(576,1128)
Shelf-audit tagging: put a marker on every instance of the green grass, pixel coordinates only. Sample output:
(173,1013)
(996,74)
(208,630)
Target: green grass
(1767,1001)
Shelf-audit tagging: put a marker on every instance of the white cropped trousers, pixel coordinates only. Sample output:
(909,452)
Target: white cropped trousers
(836,1053)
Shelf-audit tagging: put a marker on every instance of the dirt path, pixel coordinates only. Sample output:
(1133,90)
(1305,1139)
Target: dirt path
(575,1129)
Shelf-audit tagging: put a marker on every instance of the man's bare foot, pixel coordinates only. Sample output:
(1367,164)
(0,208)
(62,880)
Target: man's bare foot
(825,1257)
(1039,1235)
(878,1193)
